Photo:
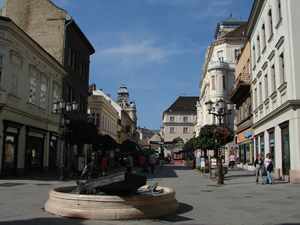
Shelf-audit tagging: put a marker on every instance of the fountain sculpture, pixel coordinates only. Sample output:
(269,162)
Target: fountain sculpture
(115,197)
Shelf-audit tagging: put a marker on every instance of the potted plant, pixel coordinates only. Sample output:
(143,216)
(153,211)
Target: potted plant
(205,169)
(217,174)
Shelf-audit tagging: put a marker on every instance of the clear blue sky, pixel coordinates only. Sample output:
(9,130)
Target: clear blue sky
(155,47)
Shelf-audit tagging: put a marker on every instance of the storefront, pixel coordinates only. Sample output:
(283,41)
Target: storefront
(34,149)
(10,148)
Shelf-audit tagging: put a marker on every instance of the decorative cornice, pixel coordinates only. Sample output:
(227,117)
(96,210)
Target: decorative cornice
(288,105)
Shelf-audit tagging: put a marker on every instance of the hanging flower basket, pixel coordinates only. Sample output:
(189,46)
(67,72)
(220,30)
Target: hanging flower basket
(222,132)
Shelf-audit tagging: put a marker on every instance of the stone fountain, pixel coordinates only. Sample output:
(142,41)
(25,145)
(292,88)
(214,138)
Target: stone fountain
(117,197)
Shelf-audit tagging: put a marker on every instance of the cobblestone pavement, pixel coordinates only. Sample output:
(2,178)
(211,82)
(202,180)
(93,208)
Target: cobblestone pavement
(202,201)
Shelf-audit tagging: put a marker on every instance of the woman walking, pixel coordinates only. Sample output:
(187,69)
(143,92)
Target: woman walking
(258,164)
(268,162)
(231,160)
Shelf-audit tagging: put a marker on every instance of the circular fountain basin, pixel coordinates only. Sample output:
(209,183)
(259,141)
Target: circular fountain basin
(111,207)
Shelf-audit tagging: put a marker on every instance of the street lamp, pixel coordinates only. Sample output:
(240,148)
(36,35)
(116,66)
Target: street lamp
(219,112)
(119,135)
(63,109)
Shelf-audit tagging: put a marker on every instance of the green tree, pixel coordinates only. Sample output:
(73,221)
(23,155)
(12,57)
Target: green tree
(80,132)
(104,143)
(189,145)
(208,138)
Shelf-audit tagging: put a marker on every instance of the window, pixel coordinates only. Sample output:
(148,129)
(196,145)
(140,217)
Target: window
(81,104)
(236,53)
(1,70)
(70,94)
(15,76)
(273,78)
(223,81)
(263,36)
(185,119)
(281,64)
(279,10)
(32,88)
(72,59)
(220,56)
(172,119)
(270,24)
(255,98)
(249,67)
(254,54)
(83,70)
(43,95)
(260,93)
(55,93)
(185,130)
(213,83)
(96,119)
(266,85)
(258,46)
(172,129)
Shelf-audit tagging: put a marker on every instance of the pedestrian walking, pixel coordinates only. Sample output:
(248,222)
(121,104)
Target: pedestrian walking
(152,162)
(231,160)
(129,162)
(161,159)
(269,167)
(258,164)
(142,163)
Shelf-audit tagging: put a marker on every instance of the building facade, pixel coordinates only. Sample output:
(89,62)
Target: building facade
(179,119)
(30,81)
(58,33)
(273,32)
(111,117)
(240,95)
(103,114)
(218,73)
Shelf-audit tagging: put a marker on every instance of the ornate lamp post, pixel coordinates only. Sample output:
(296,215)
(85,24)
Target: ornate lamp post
(219,112)
(63,109)
(119,136)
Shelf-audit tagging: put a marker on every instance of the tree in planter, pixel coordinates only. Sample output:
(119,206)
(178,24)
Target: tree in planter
(209,134)
(206,139)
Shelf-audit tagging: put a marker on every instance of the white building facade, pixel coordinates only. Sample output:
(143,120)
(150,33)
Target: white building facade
(218,74)
(275,50)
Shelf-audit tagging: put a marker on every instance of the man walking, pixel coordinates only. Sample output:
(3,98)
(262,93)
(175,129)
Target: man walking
(152,162)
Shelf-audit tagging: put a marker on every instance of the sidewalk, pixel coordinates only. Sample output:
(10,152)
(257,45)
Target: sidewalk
(202,201)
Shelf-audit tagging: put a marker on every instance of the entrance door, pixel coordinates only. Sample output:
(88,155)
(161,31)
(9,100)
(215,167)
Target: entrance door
(10,155)
(286,165)
(34,154)
(53,154)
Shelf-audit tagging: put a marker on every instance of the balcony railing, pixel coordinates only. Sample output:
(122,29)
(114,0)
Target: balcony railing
(218,65)
(244,79)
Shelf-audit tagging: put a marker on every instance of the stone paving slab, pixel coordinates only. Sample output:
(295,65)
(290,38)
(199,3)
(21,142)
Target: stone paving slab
(202,201)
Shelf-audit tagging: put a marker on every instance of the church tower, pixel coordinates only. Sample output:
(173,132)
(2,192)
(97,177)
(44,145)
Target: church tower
(129,107)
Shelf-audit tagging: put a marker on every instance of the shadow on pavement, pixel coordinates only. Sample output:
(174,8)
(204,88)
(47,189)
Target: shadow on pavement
(45,221)
(183,208)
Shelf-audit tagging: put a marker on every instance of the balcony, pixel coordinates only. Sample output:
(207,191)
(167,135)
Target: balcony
(240,88)
(218,65)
